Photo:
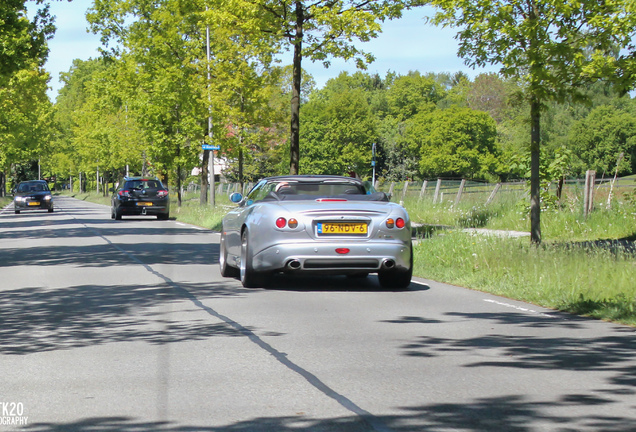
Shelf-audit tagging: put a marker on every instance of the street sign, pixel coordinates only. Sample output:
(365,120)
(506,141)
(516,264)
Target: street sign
(210,147)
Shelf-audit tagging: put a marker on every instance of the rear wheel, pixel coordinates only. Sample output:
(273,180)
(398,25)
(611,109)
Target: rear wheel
(397,279)
(117,214)
(51,210)
(226,270)
(17,211)
(163,216)
(249,277)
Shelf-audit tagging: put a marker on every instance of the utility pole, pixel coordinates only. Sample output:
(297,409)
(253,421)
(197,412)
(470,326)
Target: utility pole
(210,133)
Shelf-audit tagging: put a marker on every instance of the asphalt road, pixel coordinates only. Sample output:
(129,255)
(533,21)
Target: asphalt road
(128,326)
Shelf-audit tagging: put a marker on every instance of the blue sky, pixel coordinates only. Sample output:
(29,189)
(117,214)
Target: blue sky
(404,45)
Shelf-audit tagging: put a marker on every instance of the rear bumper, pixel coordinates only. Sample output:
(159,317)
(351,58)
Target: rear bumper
(367,257)
(132,209)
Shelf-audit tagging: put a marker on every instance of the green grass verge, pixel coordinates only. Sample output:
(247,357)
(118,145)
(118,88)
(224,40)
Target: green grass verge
(593,279)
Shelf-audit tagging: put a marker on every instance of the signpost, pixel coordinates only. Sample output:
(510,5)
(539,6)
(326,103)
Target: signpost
(210,147)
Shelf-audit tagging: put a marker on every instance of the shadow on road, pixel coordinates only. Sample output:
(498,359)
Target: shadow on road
(510,414)
(36,320)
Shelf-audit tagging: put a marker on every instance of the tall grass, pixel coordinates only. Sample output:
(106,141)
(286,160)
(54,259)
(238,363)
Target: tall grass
(583,278)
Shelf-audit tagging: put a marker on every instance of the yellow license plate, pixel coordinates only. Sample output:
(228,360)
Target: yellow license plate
(34,203)
(342,228)
(144,204)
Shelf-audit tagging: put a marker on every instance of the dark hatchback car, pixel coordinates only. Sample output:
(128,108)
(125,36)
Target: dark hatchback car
(140,196)
(32,195)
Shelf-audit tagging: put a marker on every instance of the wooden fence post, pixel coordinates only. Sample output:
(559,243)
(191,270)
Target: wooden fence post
(423,190)
(493,193)
(588,194)
(437,188)
(460,192)
(391,189)
(405,188)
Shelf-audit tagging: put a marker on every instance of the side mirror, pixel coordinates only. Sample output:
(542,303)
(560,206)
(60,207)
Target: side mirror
(236,197)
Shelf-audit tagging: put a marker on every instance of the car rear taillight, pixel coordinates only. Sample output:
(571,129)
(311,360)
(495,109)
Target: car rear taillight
(281,223)
(343,251)
(124,193)
(395,223)
(162,193)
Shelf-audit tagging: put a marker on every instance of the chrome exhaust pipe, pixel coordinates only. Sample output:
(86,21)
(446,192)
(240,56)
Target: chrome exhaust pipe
(388,264)
(293,265)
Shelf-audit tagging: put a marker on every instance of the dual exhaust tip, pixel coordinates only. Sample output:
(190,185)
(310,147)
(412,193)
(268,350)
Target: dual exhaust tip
(295,264)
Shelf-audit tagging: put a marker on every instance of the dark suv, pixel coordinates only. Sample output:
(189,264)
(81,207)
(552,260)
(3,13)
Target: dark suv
(32,195)
(140,196)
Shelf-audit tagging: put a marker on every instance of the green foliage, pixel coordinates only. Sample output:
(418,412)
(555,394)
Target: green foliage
(599,139)
(457,142)
(338,134)
(25,117)
(23,42)
(411,94)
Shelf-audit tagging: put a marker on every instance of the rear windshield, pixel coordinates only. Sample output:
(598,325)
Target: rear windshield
(142,184)
(33,187)
(323,189)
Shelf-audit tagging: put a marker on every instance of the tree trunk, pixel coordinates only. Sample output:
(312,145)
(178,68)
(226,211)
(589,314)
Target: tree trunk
(205,172)
(535,181)
(294,143)
(179,197)
(240,166)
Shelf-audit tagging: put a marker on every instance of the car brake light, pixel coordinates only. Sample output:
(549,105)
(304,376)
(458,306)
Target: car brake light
(399,222)
(342,251)
(330,200)
(281,222)
(124,193)
(162,193)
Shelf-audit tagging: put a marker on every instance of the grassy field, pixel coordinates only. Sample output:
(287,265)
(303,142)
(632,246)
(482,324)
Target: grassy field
(584,266)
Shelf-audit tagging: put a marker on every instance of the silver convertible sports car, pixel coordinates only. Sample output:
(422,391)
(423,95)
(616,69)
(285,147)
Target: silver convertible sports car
(316,225)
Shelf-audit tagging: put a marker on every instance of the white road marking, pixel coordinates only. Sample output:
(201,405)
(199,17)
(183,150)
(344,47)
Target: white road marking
(519,308)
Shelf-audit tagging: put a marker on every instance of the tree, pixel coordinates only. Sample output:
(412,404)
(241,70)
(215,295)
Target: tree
(25,118)
(552,47)
(23,42)
(320,29)
(23,51)
(338,134)
(455,142)
(598,140)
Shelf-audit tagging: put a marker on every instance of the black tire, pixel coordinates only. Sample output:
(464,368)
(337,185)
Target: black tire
(51,210)
(226,269)
(163,216)
(117,214)
(17,211)
(249,277)
(112,213)
(397,279)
